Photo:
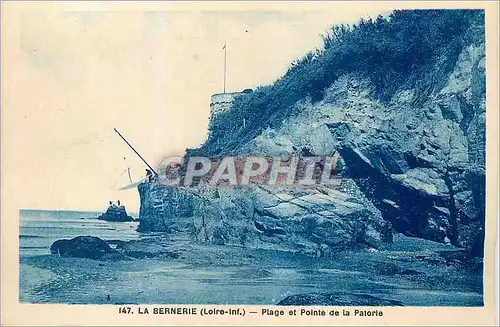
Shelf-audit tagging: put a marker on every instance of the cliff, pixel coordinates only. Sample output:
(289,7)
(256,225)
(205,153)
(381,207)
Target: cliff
(402,99)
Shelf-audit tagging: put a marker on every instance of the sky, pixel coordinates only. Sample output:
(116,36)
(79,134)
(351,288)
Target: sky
(72,73)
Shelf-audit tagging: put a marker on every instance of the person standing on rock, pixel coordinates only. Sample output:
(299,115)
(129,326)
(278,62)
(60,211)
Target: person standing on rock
(149,175)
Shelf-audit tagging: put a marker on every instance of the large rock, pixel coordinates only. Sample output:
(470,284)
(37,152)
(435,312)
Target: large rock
(314,220)
(90,247)
(116,213)
(163,208)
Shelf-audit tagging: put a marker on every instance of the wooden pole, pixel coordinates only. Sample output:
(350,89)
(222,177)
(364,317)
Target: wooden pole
(136,152)
(225,64)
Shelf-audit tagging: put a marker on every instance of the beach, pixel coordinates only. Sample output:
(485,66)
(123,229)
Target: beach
(411,271)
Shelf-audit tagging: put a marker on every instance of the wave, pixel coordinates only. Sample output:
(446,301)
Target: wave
(29,236)
(32,247)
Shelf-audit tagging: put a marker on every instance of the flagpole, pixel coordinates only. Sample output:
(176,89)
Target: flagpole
(225,64)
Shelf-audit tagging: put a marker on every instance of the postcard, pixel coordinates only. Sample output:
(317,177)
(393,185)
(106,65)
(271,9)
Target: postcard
(249,163)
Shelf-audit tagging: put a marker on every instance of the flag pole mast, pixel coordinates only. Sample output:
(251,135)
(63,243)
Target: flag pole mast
(225,64)
(130,145)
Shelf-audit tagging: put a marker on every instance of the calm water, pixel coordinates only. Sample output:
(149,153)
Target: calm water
(39,229)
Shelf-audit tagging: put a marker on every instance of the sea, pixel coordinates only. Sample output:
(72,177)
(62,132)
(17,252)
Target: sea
(40,228)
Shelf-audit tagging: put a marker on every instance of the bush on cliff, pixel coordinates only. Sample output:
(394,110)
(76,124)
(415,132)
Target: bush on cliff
(409,49)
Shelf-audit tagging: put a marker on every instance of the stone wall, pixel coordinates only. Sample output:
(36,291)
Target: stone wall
(222,101)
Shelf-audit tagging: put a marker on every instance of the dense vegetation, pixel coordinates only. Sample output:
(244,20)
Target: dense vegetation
(408,49)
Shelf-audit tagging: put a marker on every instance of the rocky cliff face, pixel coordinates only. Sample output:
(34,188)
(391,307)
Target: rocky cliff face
(314,220)
(421,164)
(416,163)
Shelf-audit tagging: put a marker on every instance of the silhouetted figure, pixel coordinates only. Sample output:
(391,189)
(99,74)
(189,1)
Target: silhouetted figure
(118,202)
(110,203)
(149,175)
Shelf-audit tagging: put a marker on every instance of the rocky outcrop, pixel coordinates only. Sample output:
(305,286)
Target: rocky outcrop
(90,247)
(116,213)
(314,220)
(164,209)
(415,162)
(420,162)
(421,165)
